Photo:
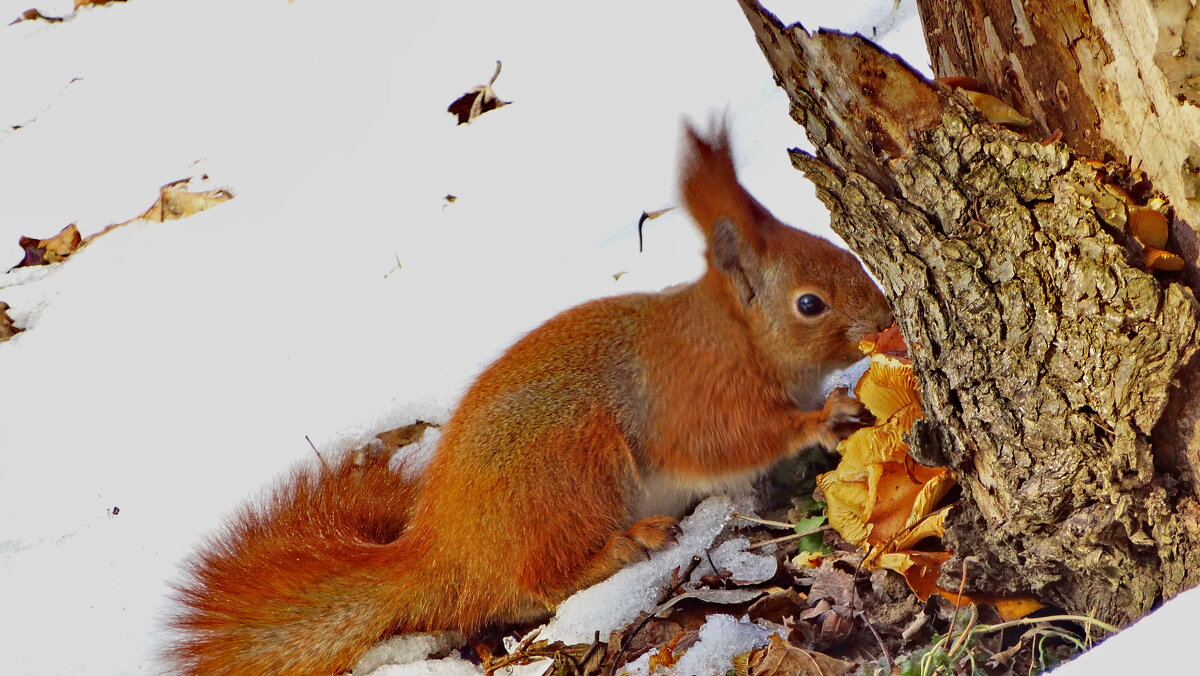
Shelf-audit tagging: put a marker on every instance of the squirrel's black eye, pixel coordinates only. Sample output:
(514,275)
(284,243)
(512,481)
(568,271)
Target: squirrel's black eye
(811,305)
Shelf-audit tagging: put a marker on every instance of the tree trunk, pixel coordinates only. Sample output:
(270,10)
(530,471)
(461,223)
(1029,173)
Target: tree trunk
(1059,377)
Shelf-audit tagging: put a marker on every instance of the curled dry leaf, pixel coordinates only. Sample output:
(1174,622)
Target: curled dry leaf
(780,658)
(648,216)
(778,604)
(34,15)
(7,329)
(51,250)
(400,437)
(995,110)
(477,101)
(177,200)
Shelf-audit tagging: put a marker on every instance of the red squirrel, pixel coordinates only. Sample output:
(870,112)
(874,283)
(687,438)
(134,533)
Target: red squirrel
(569,457)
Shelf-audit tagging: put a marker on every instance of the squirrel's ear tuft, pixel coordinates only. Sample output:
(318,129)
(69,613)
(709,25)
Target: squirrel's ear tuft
(707,182)
(711,193)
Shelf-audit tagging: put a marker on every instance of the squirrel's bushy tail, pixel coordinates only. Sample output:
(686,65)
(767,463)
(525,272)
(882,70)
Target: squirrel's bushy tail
(307,581)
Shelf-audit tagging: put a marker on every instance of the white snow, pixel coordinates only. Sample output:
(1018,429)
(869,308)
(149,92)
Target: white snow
(617,601)
(721,638)
(405,655)
(745,567)
(1156,644)
(171,370)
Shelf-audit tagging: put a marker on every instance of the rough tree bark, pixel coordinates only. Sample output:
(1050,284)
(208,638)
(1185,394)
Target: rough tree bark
(1057,374)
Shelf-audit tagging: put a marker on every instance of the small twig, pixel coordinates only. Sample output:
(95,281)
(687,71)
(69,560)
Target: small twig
(962,583)
(515,657)
(785,538)
(389,272)
(683,579)
(878,639)
(319,456)
(962,638)
(1049,618)
(765,522)
(708,555)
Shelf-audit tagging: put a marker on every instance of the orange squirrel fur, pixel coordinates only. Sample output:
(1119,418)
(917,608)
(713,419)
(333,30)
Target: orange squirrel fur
(568,458)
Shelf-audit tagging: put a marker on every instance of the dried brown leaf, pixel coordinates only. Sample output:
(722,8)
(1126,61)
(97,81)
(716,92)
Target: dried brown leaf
(651,634)
(176,201)
(777,605)
(403,436)
(779,658)
(34,15)
(833,584)
(7,329)
(995,110)
(477,101)
(51,250)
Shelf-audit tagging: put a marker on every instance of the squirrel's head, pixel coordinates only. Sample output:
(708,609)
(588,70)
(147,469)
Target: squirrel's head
(807,302)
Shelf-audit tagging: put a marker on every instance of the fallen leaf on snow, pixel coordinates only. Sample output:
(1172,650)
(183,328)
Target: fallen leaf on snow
(34,15)
(403,436)
(7,329)
(477,101)
(50,250)
(176,200)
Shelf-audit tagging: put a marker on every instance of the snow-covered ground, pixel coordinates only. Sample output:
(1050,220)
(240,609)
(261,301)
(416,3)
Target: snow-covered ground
(171,370)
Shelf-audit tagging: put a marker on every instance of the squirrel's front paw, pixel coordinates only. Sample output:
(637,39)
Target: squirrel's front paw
(841,416)
(648,535)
